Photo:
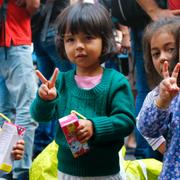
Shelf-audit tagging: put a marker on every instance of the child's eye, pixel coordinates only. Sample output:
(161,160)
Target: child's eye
(171,50)
(89,37)
(155,55)
(69,40)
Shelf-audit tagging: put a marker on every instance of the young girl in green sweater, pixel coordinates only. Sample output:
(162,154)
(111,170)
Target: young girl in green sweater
(103,96)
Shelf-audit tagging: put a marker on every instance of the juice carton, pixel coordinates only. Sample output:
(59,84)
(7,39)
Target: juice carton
(9,135)
(69,124)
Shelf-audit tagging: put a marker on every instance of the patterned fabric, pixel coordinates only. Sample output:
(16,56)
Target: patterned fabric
(154,122)
(153,142)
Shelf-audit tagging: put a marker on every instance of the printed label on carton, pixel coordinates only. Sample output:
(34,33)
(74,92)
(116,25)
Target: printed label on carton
(69,124)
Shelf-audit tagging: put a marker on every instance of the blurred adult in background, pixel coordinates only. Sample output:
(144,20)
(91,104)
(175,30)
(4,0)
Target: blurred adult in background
(17,78)
(47,60)
(155,12)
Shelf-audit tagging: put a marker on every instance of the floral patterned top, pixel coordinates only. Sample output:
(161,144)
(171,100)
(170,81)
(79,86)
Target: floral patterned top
(154,122)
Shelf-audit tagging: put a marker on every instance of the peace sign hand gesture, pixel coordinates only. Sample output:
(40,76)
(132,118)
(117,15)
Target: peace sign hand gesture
(168,86)
(47,90)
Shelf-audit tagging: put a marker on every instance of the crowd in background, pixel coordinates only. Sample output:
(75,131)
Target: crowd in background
(19,86)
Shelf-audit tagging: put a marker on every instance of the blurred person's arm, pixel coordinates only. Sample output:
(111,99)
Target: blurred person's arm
(124,38)
(157,143)
(162,148)
(154,11)
(31,5)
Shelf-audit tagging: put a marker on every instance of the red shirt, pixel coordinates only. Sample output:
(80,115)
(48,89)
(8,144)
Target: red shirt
(18,28)
(174,4)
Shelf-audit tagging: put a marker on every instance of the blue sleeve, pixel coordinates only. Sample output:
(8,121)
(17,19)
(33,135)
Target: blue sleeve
(152,121)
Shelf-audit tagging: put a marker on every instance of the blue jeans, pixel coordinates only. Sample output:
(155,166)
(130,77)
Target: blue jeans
(143,150)
(17,90)
(141,81)
(47,59)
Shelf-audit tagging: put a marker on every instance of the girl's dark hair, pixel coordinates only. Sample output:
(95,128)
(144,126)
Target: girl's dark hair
(87,18)
(170,25)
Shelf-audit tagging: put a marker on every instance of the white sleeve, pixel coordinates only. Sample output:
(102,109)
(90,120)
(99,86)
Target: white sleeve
(153,142)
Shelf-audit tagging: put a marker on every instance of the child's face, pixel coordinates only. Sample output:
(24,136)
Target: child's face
(83,50)
(163,48)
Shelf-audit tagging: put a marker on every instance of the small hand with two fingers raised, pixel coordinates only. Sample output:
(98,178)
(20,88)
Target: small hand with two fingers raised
(47,90)
(168,87)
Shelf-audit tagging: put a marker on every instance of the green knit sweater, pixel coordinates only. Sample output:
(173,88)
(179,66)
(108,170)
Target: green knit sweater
(109,106)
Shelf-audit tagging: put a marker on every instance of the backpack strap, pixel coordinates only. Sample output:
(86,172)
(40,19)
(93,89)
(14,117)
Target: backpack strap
(121,10)
(3,9)
(49,5)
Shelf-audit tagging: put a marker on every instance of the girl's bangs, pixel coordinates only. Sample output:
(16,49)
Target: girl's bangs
(83,23)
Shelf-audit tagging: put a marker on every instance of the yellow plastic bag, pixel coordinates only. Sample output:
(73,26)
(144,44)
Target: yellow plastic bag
(144,169)
(44,166)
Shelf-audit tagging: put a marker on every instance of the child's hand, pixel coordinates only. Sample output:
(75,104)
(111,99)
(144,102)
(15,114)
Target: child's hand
(168,86)
(47,90)
(18,150)
(85,130)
